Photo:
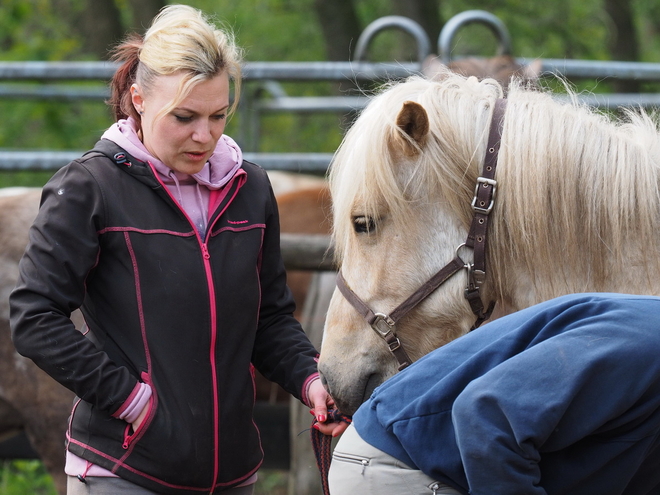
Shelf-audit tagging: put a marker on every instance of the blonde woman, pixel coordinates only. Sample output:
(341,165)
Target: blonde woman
(168,241)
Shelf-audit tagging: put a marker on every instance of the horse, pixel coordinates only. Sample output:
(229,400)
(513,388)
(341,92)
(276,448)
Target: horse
(502,68)
(32,401)
(575,209)
(29,398)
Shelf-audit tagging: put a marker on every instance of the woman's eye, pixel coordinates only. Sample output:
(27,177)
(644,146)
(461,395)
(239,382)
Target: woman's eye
(363,224)
(181,118)
(220,116)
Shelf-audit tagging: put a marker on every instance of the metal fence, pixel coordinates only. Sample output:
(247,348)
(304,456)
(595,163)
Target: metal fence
(57,81)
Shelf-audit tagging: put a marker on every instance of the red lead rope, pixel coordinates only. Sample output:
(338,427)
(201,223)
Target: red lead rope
(322,445)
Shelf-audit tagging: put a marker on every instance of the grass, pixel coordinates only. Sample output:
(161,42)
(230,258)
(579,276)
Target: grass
(19,477)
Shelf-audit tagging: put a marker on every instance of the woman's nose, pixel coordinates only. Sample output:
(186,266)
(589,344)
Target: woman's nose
(202,133)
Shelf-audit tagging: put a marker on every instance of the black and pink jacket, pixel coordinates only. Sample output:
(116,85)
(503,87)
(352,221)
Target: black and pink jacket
(190,316)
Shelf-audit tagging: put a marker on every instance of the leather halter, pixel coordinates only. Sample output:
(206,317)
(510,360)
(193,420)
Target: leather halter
(482,204)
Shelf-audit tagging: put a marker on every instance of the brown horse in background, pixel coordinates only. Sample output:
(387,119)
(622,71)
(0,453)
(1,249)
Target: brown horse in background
(502,68)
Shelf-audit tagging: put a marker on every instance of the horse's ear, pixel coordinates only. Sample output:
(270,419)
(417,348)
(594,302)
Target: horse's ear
(414,122)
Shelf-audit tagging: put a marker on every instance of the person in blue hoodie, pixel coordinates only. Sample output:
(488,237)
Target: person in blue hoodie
(559,398)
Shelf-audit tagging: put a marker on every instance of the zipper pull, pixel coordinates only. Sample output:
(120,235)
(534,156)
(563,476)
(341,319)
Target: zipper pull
(128,436)
(205,252)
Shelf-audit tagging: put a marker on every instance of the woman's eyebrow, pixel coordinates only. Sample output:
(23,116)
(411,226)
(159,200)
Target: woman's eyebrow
(195,112)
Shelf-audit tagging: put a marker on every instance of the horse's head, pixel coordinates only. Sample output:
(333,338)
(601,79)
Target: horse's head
(402,182)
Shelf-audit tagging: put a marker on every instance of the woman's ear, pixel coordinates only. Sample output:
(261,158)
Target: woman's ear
(136,98)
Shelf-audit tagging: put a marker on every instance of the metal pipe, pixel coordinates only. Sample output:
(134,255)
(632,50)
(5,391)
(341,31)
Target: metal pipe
(330,71)
(393,21)
(252,71)
(313,163)
(50,92)
(469,17)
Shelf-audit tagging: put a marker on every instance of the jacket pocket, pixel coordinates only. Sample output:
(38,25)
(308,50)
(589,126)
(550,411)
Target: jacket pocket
(130,435)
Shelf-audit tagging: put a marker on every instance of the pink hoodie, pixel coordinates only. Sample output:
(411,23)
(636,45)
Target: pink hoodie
(191,191)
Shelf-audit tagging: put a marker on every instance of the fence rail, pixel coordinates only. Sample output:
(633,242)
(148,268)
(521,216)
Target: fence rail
(328,71)
(35,160)
(276,101)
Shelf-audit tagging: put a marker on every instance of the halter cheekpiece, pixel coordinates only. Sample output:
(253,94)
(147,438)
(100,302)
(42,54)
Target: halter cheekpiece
(482,204)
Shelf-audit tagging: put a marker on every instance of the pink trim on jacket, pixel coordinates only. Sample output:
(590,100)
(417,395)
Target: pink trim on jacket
(191,192)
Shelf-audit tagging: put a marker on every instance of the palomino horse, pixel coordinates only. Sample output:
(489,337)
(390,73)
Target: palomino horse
(29,398)
(575,210)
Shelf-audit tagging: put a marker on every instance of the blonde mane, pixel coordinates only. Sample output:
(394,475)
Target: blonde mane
(578,197)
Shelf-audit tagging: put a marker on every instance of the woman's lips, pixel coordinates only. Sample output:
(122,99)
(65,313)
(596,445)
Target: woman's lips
(196,156)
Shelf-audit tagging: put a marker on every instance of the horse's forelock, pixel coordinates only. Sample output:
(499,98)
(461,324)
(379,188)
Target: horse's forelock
(366,168)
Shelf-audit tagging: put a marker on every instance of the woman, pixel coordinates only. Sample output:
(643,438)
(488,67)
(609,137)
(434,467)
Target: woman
(169,243)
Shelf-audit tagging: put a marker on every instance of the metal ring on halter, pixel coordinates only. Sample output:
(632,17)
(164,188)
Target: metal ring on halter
(465,265)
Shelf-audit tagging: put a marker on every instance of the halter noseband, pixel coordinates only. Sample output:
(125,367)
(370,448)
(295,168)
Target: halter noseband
(482,204)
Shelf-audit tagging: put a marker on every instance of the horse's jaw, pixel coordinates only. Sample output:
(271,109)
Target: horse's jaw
(348,395)
(353,360)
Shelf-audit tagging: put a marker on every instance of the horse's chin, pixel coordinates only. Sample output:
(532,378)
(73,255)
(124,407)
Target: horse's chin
(348,400)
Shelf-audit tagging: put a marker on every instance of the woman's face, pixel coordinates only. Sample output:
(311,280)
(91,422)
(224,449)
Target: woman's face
(185,137)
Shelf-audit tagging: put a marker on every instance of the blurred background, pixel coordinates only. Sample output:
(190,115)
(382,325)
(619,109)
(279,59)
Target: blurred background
(42,115)
(298,30)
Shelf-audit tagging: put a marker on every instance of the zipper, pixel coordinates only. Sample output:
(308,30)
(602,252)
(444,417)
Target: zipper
(351,459)
(203,243)
(434,487)
(130,436)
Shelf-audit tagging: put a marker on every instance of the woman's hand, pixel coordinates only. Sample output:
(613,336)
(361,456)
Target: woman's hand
(143,414)
(321,402)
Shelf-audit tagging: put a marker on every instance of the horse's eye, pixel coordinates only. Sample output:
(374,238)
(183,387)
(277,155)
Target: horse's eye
(363,224)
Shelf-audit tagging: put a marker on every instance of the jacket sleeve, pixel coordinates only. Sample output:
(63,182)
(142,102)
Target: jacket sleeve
(282,351)
(62,250)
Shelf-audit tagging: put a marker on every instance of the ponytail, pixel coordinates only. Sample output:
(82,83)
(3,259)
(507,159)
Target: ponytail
(128,53)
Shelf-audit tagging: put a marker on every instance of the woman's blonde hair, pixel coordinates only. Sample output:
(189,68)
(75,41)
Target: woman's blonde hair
(180,39)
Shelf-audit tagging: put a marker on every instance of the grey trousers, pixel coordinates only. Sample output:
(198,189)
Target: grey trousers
(358,467)
(116,486)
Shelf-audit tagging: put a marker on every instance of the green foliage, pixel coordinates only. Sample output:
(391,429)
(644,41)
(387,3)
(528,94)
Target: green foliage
(33,30)
(288,30)
(36,30)
(272,482)
(25,477)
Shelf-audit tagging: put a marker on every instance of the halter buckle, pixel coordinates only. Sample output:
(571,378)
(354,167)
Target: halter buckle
(384,325)
(476,278)
(484,182)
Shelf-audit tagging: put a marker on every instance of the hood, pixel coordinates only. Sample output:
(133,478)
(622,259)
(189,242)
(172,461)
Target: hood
(220,168)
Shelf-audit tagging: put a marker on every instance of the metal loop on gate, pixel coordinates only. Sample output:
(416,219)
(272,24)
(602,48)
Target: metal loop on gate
(393,21)
(493,22)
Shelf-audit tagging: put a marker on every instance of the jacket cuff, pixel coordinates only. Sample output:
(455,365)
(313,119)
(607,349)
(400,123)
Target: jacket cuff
(305,388)
(134,404)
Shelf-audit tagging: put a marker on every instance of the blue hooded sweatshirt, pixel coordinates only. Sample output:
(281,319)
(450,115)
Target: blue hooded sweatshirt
(559,398)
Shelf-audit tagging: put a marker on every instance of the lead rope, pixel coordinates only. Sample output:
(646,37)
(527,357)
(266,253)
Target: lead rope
(322,445)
